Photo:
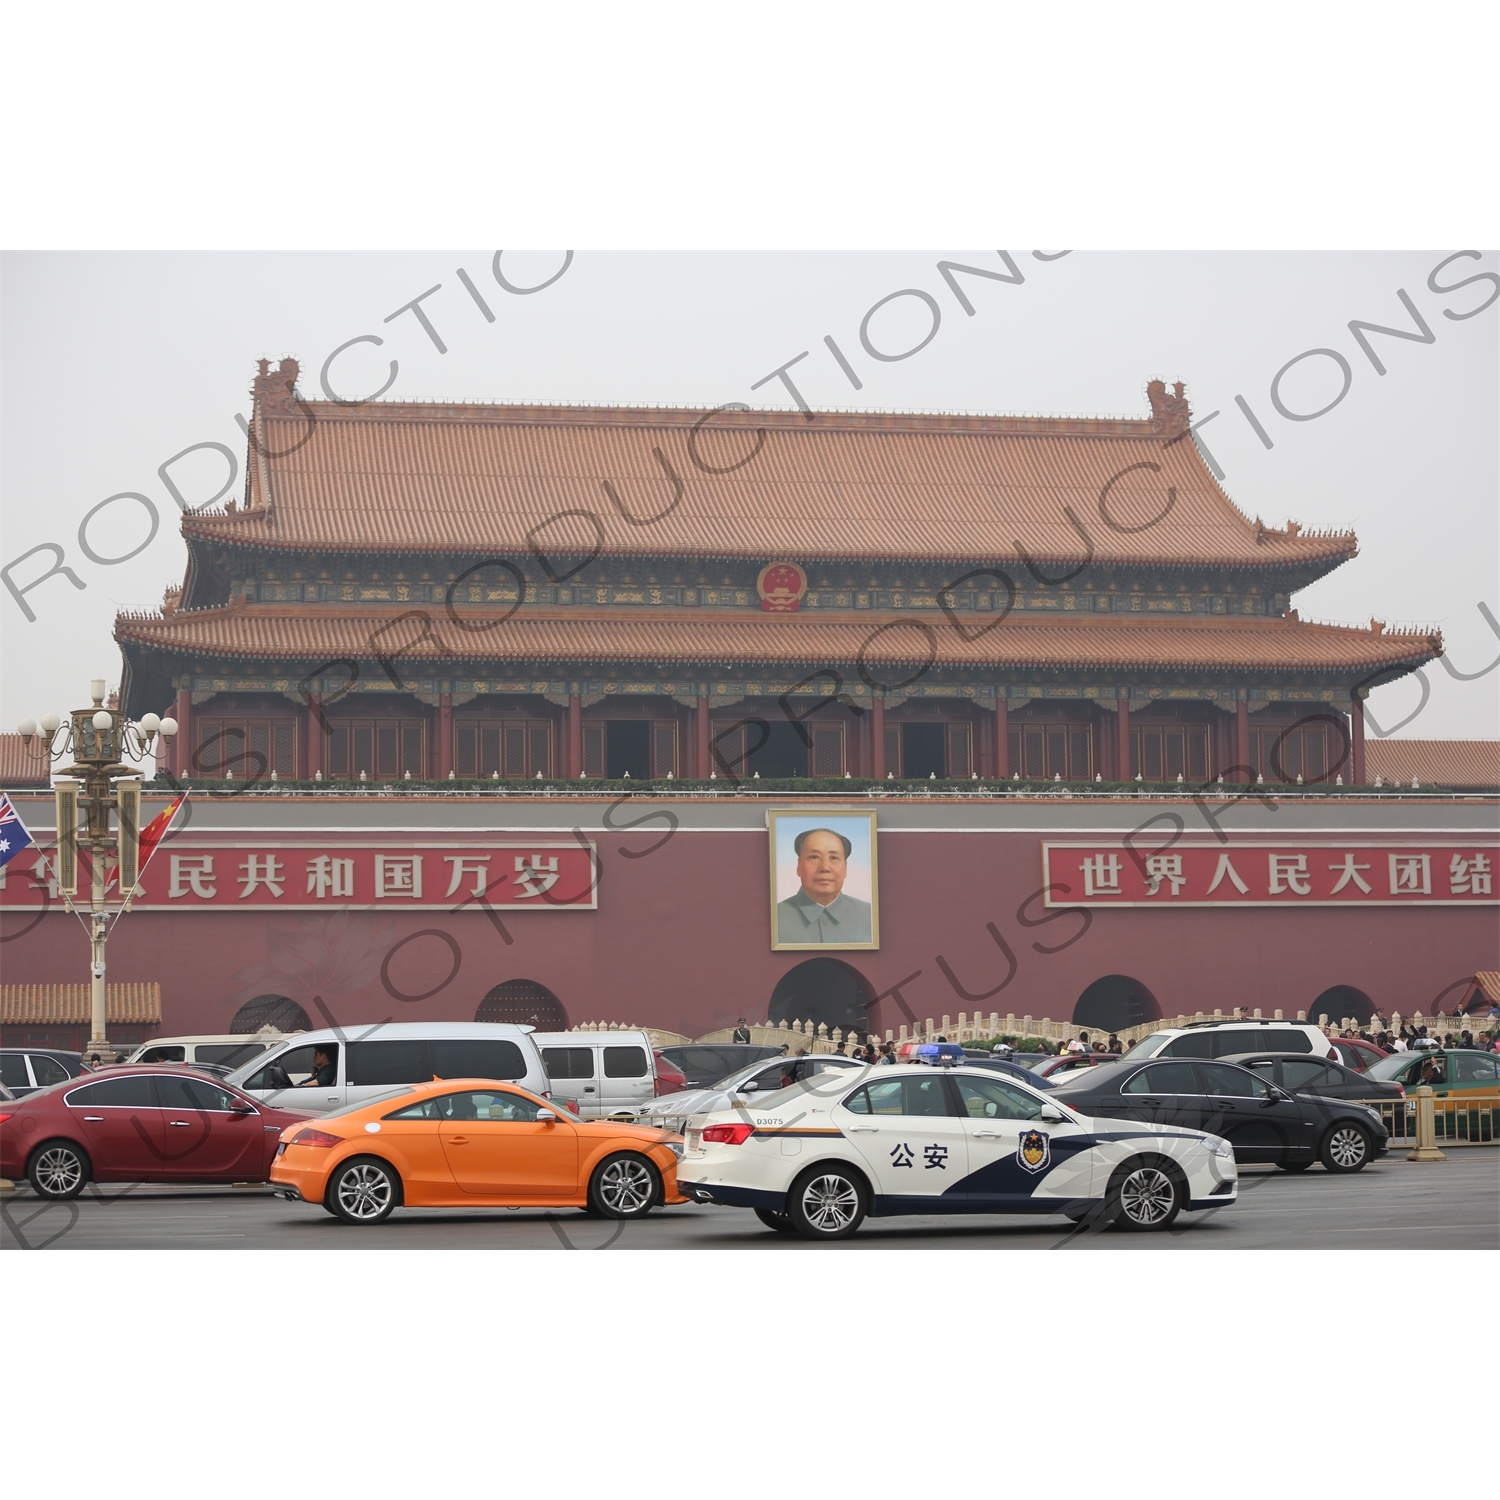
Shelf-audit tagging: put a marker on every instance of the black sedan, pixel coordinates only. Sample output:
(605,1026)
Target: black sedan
(1298,1073)
(1261,1121)
(704,1065)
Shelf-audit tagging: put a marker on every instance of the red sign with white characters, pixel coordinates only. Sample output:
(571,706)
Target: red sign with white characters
(1152,872)
(247,874)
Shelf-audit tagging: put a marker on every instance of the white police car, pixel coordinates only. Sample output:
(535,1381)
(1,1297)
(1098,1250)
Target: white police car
(817,1157)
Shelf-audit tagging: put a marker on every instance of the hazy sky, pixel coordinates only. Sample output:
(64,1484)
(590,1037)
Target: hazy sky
(112,363)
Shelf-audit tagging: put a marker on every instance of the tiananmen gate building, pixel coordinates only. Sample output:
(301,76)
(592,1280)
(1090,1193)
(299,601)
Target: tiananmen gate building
(485,707)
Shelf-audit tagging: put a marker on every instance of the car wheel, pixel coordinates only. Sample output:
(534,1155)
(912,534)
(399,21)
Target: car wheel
(363,1190)
(1294,1166)
(777,1221)
(826,1203)
(624,1186)
(1346,1148)
(58,1170)
(1146,1197)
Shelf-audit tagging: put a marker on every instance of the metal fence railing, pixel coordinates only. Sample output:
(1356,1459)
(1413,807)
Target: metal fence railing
(1457,1121)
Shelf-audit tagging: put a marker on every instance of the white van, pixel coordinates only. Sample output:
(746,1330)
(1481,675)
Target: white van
(225,1051)
(362,1061)
(600,1072)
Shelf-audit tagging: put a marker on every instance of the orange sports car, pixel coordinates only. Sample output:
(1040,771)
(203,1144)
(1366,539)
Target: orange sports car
(466,1143)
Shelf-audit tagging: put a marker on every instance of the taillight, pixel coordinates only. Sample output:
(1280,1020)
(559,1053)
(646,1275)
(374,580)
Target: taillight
(1400,1090)
(573,1105)
(728,1135)
(6,1116)
(315,1138)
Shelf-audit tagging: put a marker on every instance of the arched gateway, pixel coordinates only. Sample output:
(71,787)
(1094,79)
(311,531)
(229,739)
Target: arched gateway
(825,992)
(275,1011)
(1342,1002)
(1115,1002)
(523,1002)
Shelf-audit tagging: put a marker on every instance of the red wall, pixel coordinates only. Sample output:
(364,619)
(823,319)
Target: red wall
(681,941)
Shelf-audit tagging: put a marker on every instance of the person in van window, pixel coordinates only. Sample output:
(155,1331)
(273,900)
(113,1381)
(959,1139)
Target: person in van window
(741,1031)
(1431,1073)
(324,1071)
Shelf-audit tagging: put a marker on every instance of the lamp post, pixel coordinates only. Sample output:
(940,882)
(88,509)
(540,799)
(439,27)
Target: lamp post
(99,739)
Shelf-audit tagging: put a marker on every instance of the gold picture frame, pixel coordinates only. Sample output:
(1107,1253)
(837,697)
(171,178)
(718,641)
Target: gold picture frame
(804,871)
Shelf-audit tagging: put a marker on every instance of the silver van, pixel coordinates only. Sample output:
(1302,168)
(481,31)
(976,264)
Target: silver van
(220,1051)
(359,1062)
(600,1072)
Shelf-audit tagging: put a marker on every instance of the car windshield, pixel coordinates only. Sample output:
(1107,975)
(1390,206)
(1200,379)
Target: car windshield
(349,1109)
(1386,1068)
(1149,1046)
(821,1088)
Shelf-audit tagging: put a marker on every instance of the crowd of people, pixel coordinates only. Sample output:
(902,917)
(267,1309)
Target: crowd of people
(1417,1039)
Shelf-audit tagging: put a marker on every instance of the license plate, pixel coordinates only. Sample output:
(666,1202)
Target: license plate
(694,1139)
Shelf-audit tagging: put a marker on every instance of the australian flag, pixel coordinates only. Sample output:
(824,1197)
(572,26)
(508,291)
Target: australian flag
(14,836)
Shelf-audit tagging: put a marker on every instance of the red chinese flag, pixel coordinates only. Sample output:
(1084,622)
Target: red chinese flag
(156,830)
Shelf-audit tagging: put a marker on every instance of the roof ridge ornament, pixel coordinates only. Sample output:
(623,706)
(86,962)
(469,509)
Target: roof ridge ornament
(1170,414)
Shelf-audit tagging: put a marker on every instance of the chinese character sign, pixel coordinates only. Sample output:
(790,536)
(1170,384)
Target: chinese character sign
(1261,874)
(209,874)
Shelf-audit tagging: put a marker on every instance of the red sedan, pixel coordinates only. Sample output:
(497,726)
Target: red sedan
(1358,1055)
(139,1125)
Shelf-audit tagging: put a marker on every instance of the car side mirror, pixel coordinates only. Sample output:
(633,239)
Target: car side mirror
(1278,1096)
(242,1107)
(545,1115)
(748,1088)
(1051,1116)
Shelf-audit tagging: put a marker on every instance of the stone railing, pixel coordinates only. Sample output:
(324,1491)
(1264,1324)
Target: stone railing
(807,1037)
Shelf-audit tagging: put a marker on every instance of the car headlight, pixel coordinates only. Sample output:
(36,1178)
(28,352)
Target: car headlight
(1218,1146)
(675,1147)
(1374,1114)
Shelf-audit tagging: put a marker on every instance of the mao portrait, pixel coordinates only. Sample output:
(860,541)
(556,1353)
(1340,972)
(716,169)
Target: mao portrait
(823,891)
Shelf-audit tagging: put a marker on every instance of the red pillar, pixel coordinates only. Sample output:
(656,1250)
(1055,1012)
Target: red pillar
(1122,741)
(1002,741)
(1357,746)
(877,738)
(701,759)
(575,736)
(1242,740)
(312,722)
(183,758)
(445,735)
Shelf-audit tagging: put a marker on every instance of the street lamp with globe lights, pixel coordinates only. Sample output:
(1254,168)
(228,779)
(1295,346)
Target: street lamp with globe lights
(100,740)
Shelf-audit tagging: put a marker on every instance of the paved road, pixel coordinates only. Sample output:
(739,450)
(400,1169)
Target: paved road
(1393,1205)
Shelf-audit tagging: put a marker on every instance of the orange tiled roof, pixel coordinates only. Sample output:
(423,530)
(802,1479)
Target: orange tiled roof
(398,477)
(17,768)
(69,1004)
(550,635)
(1461,764)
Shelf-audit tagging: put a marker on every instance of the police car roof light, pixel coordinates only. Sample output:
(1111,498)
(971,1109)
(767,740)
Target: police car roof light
(939,1052)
